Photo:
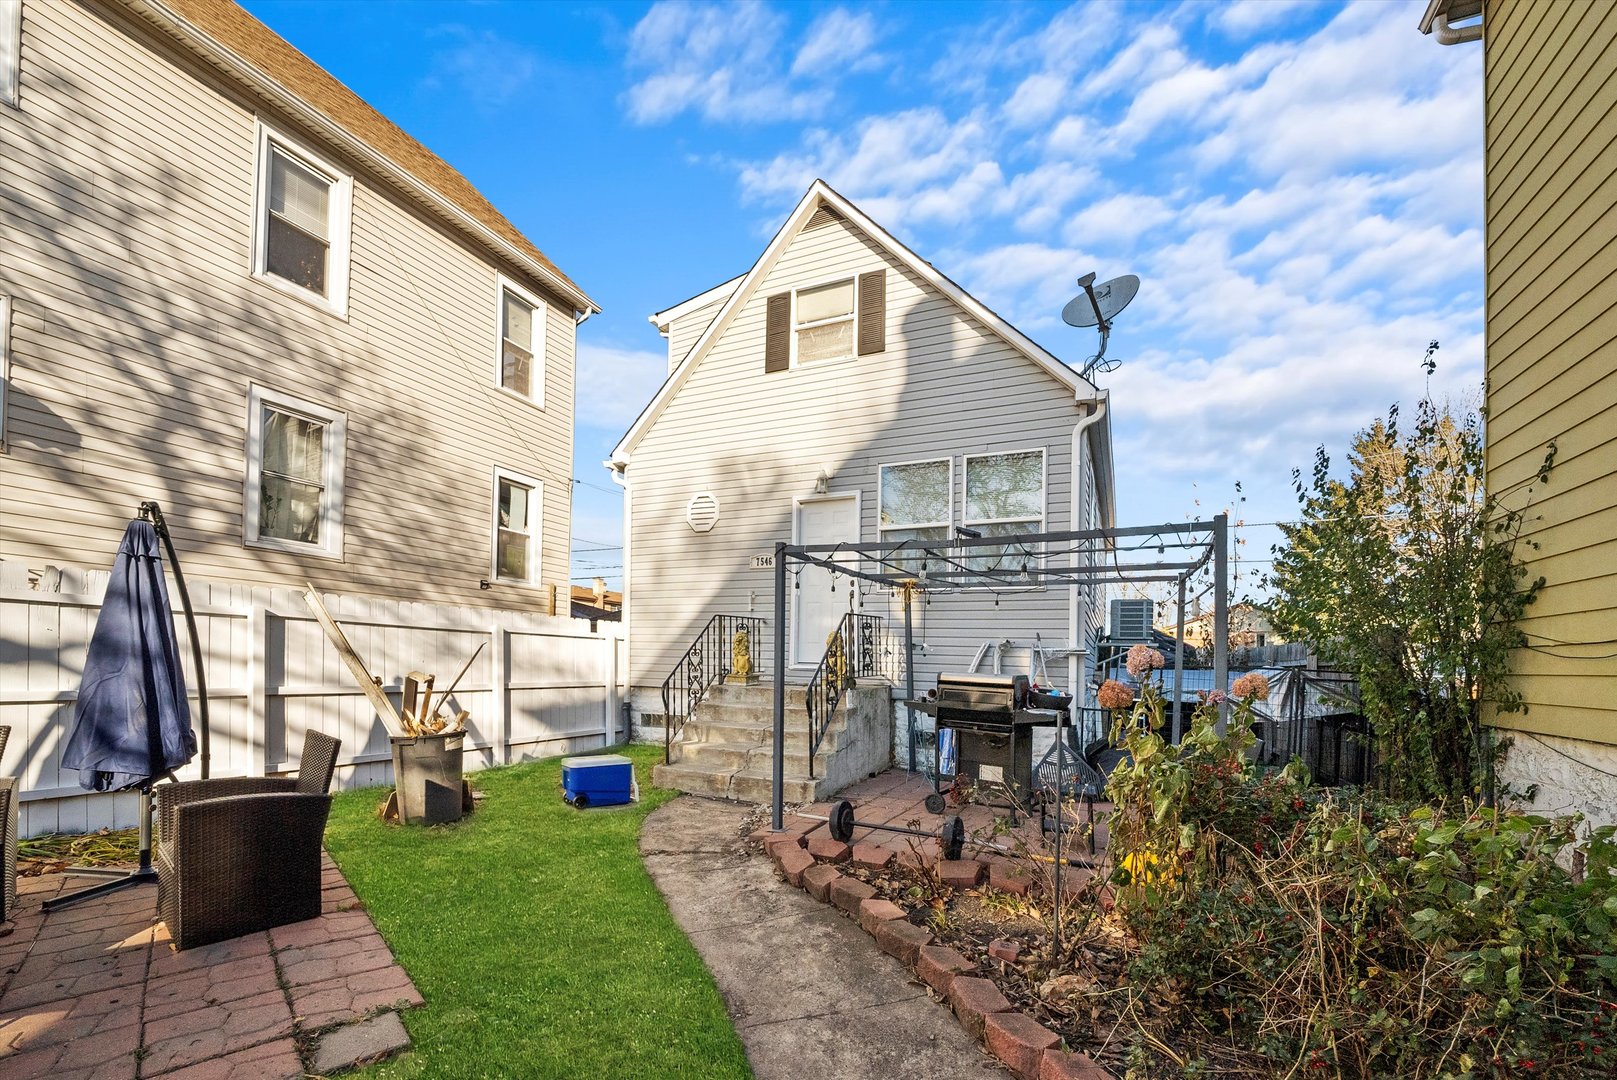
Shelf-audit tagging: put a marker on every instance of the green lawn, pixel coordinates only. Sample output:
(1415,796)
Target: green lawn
(536,936)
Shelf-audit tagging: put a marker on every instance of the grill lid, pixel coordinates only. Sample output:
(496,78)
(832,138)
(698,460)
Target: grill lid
(982,693)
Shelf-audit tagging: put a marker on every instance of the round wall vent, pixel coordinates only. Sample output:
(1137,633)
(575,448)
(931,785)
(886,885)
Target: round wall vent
(702,513)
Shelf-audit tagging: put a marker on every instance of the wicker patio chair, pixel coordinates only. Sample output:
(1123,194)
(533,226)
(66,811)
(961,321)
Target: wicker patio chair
(239,855)
(8,838)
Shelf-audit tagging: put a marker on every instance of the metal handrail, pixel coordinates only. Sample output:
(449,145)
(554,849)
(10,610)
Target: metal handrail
(858,648)
(708,660)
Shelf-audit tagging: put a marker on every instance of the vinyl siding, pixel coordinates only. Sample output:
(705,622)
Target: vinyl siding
(126,221)
(1551,138)
(685,331)
(946,386)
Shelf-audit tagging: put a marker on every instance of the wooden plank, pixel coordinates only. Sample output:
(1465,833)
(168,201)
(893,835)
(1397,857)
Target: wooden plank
(356,666)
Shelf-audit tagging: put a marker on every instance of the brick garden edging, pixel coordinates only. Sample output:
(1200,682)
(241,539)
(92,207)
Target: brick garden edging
(1027,1048)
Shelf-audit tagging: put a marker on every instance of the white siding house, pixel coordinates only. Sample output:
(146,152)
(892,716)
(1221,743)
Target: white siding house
(235,288)
(895,406)
(229,285)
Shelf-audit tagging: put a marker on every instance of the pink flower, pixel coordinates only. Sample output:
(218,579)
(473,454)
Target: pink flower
(1142,660)
(1252,686)
(1213,697)
(1114,695)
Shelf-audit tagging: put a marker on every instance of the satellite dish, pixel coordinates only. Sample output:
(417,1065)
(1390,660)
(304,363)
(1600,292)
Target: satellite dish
(1109,298)
(1097,306)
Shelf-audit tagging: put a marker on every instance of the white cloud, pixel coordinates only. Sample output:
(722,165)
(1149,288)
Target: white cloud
(838,39)
(907,167)
(611,384)
(1241,18)
(1119,219)
(479,67)
(727,62)
(1037,99)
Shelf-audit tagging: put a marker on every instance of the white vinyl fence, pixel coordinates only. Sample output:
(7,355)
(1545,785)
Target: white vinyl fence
(541,686)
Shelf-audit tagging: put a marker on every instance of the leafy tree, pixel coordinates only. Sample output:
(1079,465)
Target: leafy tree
(1405,573)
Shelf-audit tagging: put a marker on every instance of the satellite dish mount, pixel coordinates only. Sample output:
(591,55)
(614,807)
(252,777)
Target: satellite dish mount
(1097,306)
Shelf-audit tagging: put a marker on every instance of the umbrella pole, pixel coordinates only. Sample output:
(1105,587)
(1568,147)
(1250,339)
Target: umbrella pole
(155,512)
(121,879)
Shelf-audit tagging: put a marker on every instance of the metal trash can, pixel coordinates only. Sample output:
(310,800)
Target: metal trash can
(427,773)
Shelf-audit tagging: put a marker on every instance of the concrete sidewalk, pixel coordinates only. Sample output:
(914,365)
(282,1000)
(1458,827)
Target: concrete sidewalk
(810,994)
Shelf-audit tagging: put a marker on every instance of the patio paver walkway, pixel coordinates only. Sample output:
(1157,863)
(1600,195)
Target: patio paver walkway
(96,992)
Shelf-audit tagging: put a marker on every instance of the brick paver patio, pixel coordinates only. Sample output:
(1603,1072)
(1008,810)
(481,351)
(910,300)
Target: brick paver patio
(96,992)
(898,798)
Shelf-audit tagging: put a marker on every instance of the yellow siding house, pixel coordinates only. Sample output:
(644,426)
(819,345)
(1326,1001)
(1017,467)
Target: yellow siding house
(1550,74)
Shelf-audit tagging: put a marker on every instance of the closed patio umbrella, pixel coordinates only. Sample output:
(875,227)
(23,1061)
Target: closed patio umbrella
(132,722)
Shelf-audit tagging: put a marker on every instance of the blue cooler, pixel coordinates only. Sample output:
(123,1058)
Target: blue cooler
(603,780)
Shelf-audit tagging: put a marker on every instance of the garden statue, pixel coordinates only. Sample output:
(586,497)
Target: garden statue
(741,659)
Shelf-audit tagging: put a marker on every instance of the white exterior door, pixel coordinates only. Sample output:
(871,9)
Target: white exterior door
(821,598)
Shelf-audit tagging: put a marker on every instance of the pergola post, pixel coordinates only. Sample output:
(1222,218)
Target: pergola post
(1221,616)
(1176,734)
(909,664)
(778,795)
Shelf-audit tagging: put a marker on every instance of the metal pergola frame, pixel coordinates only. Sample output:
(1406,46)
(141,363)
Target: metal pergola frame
(883,564)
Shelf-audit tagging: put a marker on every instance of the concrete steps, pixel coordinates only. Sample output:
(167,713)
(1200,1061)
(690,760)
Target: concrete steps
(727,747)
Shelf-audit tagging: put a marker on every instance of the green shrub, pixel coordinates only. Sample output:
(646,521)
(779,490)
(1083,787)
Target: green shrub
(1346,934)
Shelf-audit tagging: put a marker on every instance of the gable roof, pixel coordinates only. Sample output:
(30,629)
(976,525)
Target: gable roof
(661,319)
(225,35)
(821,194)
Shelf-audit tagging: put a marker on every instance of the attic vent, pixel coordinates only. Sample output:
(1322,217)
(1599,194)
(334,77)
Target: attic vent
(702,513)
(823,216)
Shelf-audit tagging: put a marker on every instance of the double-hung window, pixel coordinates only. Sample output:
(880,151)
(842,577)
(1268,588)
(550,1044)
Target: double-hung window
(517,503)
(294,474)
(916,500)
(1004,497)
(520,351)
(824,322)
(301,238)
(10,50)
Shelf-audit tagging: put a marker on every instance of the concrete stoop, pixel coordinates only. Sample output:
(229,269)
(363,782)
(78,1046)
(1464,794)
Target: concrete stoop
(727,748)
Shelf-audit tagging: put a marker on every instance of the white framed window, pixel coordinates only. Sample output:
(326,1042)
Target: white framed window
(518,515)
(823,321)
(10,49)
(294,494)
(302,217)
(519,348)
(5,363)
(1004,497)
(915,501)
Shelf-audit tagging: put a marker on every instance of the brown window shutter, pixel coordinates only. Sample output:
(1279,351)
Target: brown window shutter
(778,332)
(872,312)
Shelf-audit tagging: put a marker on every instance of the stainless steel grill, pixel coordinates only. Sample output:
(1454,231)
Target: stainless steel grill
(980,702)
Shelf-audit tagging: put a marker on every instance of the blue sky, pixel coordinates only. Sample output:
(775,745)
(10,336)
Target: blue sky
(1299,184)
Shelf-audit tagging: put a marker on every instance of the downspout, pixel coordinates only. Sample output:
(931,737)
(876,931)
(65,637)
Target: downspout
(620,476)
(1076,616)
(1450,35)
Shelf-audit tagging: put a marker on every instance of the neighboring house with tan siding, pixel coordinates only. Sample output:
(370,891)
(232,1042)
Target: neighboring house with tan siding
(845,390)
(233,287)
(1550,88)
